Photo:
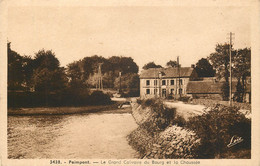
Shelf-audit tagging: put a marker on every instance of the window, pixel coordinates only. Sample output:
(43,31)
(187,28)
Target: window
(155,82)
(180,81)
(172,82)
(147,82)
(147,91)
(163,82)
(163,92)
(180,91)
(172,91)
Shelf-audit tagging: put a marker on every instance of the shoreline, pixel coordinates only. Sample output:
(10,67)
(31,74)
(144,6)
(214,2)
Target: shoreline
(113,108)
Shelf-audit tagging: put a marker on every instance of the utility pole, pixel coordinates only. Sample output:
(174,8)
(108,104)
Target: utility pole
(160,80)
(176,89)
(230,69)
(179,75)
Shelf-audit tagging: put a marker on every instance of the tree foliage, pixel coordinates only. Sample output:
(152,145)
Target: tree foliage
(241,67)
(172,64)
(19,70)
(128,81)
(151,65)
(15,71)
(220,60)
(242,70)
(48,76)
(204,68)
(86,69)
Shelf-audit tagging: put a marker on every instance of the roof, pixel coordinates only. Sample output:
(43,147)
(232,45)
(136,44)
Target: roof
(166,72)
(203,87)
(211,87)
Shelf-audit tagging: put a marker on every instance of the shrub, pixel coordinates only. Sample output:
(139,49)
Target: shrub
(162,116)
(147,102)
(217,127)
(99,98)
(179,121)
(184,98)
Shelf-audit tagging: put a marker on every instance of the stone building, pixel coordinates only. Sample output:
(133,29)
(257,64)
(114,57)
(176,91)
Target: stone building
(166,82)
(210,88)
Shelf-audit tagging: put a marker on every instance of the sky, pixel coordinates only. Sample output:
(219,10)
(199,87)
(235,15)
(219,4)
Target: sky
(146,34)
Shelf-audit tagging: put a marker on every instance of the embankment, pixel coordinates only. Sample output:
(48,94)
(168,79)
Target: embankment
(170,142)
(113,108)
(175,130)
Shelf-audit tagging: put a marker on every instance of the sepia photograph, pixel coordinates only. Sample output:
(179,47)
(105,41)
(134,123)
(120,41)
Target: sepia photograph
(131,84)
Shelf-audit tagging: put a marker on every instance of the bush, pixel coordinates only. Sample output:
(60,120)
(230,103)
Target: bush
(66,98)
(184,98)
(161,118)
(179,121)
(99,98)
(217,127)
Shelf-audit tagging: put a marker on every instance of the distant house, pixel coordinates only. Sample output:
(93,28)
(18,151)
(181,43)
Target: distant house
(165,82)
(211,88)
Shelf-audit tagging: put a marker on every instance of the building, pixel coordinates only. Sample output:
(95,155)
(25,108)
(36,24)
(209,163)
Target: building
(210,88)
(166,82)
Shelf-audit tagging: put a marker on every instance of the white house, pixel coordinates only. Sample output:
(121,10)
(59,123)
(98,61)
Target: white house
(165,82)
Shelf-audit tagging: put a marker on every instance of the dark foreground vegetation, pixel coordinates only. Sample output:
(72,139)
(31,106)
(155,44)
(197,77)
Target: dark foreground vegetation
(40,81)
(205,136)
(40,99)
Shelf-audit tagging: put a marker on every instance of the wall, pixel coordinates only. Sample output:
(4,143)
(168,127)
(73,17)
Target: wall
(173,142)
(168,87)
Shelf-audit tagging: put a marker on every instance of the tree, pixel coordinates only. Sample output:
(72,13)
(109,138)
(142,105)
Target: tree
(48,76)
(15,69)
(151,65)
(172,64)
(204,68)
(241,65)
(86,69)
(130,83)
(74,71)
(123,64)
(220,62)
(242,70)
(28,67)
(46,59)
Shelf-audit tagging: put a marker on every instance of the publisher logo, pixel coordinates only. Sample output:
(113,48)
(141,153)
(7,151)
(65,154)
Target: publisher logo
(234,140)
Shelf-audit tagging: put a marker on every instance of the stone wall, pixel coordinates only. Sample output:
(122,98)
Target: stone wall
(173,142)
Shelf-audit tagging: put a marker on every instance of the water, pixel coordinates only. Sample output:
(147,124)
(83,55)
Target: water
(89,136)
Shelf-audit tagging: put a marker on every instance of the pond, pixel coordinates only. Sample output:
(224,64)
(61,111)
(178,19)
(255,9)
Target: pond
(88,136)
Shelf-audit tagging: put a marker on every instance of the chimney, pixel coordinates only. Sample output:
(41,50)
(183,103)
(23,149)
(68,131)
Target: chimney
(192,66)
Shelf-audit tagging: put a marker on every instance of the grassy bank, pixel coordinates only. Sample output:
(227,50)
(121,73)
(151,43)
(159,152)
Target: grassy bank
(164,134)
(112,108)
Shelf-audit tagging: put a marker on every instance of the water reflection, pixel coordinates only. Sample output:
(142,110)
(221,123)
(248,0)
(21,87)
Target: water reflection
(70,136)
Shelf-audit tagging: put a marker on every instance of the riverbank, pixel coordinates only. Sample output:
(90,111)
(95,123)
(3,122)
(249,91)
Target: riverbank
(177,130)
(112,108)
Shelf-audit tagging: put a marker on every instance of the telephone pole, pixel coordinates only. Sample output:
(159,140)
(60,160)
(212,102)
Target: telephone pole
(179,75)
(230,68)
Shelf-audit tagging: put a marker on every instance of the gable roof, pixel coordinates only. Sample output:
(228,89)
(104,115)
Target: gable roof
(211,87)
(166,72)
(203,87)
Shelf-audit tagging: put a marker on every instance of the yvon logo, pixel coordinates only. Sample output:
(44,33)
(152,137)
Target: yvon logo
(234,140)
